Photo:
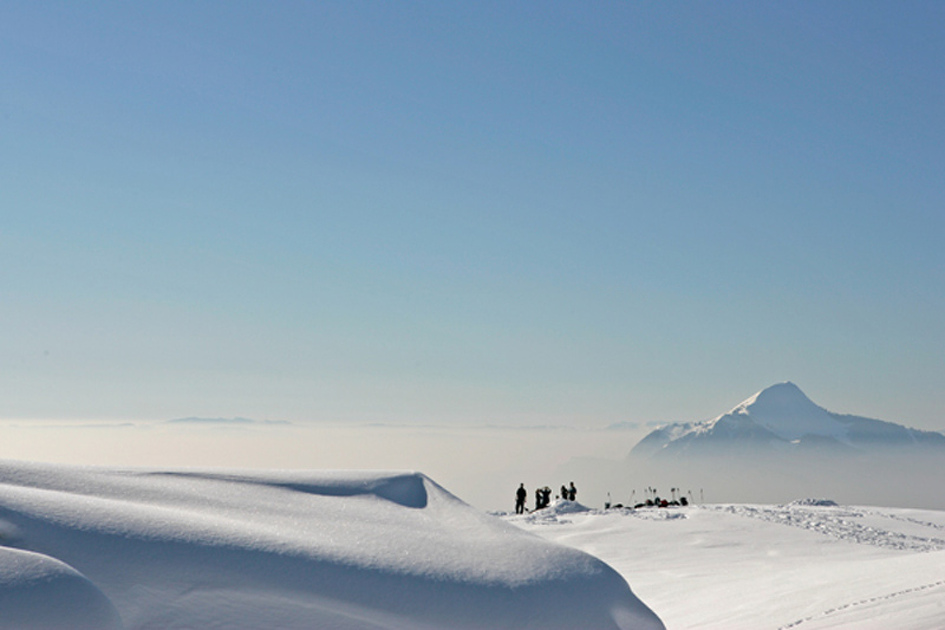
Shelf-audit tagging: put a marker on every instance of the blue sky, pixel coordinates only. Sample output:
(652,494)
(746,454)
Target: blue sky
(531,213)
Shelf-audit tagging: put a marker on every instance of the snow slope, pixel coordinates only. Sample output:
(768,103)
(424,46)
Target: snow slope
(138,549)
(806,565)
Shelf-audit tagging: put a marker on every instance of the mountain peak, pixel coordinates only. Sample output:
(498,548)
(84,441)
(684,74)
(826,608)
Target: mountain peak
(787,411)
(786,388)
(780,416)
(783,396)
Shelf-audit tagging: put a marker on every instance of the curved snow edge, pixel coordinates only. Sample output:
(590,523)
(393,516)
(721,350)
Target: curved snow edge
(43,593)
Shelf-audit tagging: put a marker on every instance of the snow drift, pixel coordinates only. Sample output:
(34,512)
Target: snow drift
(100,548)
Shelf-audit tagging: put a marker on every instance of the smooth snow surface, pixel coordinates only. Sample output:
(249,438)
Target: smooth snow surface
(808,565)
(288,550)
(39,592)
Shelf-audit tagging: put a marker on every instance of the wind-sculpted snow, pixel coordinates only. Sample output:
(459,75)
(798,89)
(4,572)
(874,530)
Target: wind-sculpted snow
(287,550)
(858,525)
(37,591)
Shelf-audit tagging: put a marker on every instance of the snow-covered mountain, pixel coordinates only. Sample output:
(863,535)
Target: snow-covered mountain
(782,418)
(776,446)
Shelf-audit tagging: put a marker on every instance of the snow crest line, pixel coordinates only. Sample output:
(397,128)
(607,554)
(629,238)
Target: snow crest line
(864,602)
(840,523)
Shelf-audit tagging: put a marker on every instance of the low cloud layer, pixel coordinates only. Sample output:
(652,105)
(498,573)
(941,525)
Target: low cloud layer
(482,465)
(225,421)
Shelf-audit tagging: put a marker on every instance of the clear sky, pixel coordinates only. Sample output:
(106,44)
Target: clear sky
(491,212)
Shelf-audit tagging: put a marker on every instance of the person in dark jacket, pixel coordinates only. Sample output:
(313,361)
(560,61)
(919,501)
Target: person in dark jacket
(572,492)
(520,495)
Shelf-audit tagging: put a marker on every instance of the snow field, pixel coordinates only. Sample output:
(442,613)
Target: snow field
(749,567)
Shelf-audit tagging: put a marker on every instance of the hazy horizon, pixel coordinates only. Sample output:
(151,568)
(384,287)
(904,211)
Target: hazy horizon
(482,464)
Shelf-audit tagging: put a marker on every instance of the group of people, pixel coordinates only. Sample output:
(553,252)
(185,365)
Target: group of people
(569,493)
(542,496)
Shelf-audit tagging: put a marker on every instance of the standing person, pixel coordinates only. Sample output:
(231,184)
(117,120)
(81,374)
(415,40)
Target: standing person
(564,492)
(520,495)
(572,492)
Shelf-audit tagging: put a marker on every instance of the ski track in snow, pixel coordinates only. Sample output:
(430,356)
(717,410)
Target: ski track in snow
(906,519)
(863,602)
(841,523)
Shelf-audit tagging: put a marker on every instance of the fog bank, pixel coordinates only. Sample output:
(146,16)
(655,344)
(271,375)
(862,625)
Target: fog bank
(482,465)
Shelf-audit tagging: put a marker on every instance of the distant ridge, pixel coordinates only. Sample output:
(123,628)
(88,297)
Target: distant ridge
(225,421)
(781,418)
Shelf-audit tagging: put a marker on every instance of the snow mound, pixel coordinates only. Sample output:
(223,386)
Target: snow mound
(41,593)
(552,514)
(814,503)
(563,506)
(289,550)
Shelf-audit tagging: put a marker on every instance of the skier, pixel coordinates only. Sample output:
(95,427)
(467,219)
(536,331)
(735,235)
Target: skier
(572,492)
